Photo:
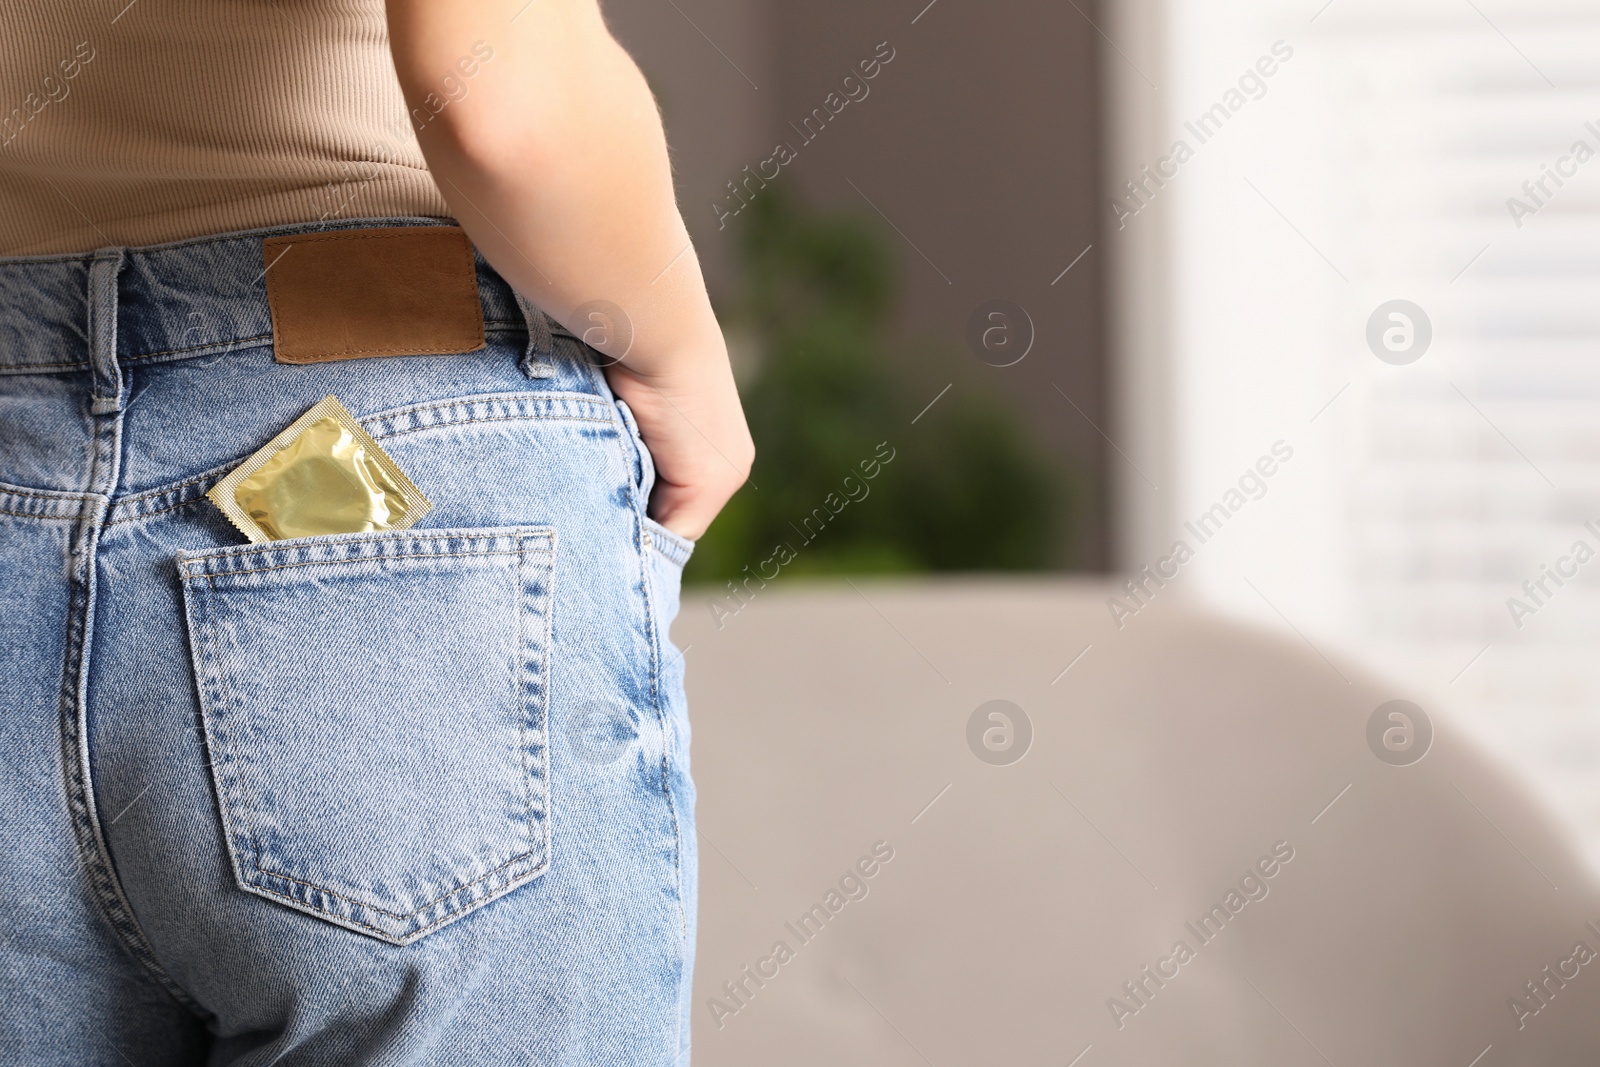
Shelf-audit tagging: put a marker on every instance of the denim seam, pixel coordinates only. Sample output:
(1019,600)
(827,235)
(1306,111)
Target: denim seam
(211,578)
(384,911)
(13,367)
(44,494)
(218,472)
(548,398)
(466,534)
(641,545)
(193,565)
(237,344)
(491,418)
(655,636)
(552,400)
(45,518)
(78,787)
(517,700)
(400,939)
(49,503)
(217,677)
(104,884)
(547,801)
(205,477)
(158,511)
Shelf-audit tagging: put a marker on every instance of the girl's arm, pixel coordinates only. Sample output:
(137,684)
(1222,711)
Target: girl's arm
(552,157)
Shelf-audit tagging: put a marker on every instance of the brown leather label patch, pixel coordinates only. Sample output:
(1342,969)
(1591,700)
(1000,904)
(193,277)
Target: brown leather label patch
(395,291)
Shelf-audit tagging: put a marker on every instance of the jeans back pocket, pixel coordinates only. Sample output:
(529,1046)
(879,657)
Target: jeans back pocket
(375,711)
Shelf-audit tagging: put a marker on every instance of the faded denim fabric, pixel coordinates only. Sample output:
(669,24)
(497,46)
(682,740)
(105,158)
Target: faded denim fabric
(416,797)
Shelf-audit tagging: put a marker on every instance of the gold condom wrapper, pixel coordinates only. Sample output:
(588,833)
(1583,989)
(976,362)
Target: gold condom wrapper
(323,475)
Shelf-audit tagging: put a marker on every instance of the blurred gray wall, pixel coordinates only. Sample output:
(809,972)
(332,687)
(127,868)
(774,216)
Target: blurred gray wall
(710,63)
(978,143)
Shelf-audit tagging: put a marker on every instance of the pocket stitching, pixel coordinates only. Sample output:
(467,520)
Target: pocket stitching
(212,578)
(522,755)
(384,911)
(193,561)
(520,702)
(232,756)
(524,710)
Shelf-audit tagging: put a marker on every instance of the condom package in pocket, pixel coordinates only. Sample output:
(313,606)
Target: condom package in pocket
(323,475)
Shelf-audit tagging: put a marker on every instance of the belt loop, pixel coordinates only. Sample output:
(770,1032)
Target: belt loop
(108,384)
(540,343)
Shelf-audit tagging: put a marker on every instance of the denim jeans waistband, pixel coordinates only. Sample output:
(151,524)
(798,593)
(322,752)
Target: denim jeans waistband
(128,371)
(190,298)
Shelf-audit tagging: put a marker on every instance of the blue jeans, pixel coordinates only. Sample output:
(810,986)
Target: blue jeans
(416,797)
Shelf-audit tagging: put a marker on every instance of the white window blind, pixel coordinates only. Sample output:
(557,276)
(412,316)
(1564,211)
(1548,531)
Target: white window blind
(1376,165)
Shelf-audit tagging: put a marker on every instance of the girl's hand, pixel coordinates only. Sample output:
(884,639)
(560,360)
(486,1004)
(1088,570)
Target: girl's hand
(695,429)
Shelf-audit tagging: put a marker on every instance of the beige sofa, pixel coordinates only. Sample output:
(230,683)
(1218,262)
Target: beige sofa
(1178,759)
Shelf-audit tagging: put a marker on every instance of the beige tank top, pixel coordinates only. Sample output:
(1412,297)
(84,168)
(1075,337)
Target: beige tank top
(129,123)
